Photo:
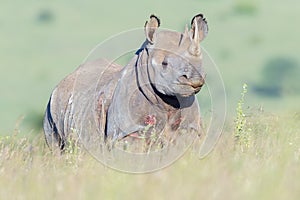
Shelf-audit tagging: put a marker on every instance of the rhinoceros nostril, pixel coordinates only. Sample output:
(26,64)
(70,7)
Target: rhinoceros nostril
(184,79)
(185,76)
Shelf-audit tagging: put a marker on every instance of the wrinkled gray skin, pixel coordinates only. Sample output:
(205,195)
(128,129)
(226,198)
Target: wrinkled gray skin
(157,87)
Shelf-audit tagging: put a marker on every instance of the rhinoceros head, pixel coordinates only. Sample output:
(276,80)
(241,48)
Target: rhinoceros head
(175,59)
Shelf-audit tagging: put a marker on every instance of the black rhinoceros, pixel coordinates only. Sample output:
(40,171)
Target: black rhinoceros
(152,96)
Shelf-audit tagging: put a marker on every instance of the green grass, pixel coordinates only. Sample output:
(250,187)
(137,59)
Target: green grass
(268,169)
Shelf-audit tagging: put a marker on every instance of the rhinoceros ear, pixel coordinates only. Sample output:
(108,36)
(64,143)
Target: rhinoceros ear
(199,28)
(151,27)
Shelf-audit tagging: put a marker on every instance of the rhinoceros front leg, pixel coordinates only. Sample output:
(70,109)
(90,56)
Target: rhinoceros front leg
(185,127)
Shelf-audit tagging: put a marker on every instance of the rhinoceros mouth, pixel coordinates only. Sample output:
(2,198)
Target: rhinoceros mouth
(186,90)
(193,86)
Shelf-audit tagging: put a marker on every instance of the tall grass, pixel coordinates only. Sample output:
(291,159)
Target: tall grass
(269,169)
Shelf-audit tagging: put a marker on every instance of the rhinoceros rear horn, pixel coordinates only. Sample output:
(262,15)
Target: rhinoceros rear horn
(199,30)
(151,27)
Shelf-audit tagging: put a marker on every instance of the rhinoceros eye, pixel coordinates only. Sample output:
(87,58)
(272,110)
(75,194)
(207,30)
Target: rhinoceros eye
(164,63)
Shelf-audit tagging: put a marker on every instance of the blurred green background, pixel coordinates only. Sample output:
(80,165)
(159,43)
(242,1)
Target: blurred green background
(254,42)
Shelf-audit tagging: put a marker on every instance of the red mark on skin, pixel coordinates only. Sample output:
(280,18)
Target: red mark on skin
(150,120)
(176,124)
(178,121)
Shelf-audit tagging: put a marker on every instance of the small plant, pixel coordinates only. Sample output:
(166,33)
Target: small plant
(241,135)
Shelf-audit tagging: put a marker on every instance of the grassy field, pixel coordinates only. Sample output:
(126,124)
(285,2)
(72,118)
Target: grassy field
(41,42)
(264,167)
(253,42)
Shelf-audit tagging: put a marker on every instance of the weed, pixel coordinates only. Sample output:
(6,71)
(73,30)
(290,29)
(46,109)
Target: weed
(241,134)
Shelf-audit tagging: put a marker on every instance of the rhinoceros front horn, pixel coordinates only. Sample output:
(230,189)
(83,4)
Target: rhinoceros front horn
(198,32)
